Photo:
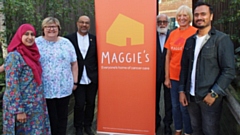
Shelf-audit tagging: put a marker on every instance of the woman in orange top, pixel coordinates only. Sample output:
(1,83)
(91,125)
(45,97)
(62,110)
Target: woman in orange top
(174,46)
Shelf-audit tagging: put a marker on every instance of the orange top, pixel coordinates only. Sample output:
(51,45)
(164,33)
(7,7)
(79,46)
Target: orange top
(175,44)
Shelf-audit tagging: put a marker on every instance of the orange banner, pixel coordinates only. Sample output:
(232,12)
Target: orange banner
(126,42)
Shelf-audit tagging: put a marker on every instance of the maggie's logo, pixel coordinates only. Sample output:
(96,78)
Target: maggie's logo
(124,31)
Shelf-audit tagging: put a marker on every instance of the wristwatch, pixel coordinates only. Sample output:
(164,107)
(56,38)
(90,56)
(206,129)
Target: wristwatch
(75,83)
(214,94)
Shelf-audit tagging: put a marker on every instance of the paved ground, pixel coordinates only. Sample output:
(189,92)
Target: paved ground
(71,129)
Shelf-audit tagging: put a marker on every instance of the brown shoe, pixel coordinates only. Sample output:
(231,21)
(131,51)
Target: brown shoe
(178,133)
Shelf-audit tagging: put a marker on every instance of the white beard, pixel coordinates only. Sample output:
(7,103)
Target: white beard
(162,30)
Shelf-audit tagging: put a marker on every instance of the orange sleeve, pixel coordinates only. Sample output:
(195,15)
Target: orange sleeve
(167,44)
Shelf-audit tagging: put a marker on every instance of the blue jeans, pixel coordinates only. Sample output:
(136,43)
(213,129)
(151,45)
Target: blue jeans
(205,119)
(181,117)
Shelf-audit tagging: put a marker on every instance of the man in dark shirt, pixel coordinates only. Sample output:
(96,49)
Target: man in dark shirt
(162,35)
(207,68)
(87,84)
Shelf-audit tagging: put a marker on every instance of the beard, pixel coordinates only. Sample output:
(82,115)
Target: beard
(162,30)
(201,26)
(84,31)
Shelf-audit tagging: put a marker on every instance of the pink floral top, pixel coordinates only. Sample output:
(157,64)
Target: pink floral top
(56,58)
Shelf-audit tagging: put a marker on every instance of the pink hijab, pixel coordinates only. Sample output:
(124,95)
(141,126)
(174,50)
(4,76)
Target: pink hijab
(30,54)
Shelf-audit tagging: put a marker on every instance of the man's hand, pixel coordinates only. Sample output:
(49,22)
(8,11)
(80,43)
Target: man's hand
(183,98)
(22,117)
(209,100)
(167,83)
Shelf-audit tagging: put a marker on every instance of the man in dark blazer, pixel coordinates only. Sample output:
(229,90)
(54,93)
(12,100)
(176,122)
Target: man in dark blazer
(87,85)
(162,35)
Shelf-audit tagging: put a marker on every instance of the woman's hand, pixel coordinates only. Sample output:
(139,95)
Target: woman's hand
(167,83)
(74,87)
(1,68)
(22,117)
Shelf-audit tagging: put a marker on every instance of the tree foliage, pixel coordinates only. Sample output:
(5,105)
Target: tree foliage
(18,12)
(228,17)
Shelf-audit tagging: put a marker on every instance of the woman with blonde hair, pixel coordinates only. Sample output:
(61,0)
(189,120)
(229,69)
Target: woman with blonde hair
(174,46)
(60,71)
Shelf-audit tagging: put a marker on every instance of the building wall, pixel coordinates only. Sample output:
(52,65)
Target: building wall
(169,7)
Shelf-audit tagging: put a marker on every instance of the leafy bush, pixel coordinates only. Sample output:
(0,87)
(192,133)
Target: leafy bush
(18,12)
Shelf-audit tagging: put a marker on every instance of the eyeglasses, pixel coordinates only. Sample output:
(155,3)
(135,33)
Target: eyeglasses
(82,22)
(51,27)
(162,22)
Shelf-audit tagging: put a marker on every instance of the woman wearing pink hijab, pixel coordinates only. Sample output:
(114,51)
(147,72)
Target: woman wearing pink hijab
(24,105)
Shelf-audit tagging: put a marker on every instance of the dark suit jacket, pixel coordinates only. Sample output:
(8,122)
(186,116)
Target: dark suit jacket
(90,60)
(161,59)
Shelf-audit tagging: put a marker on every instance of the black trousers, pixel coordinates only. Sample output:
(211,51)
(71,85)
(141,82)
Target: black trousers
(205,120)
(167,104)
(84,105)
(58,114)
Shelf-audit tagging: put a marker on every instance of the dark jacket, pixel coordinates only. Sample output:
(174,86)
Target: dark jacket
(215,67)
(161,57)
(90,60)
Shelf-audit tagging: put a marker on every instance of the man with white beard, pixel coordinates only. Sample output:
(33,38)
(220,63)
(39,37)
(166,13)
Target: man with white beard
(162,35)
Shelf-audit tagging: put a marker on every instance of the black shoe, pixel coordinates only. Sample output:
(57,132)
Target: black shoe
(79,131)
(88,131)
(156,128)
(167,130)
(167,133)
